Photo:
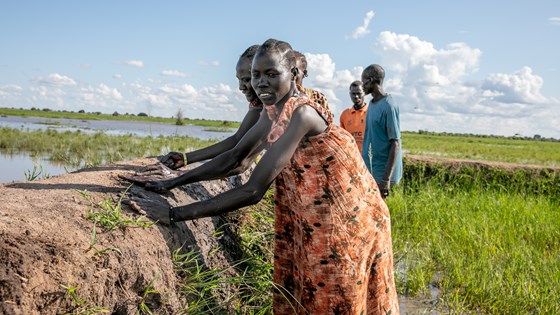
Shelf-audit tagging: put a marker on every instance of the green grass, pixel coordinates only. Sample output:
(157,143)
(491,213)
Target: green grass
(488,247)
(249,291)
(108,213)
(100,116)
(79,305)
(508,150)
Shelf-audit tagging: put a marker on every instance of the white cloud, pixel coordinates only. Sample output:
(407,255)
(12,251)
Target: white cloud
(519,87)
(117,76)
(56,79)
(555,20)
(133,63)
(362,30)
(173,73)
(112,93)
(434,90)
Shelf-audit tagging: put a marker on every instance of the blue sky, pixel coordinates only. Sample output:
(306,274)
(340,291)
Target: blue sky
(483,67)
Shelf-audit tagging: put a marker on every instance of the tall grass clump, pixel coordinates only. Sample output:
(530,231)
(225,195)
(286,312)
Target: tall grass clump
(487,238)
(245,287)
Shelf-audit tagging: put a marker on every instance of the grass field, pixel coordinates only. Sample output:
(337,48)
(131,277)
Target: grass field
(508,150)
(487,237)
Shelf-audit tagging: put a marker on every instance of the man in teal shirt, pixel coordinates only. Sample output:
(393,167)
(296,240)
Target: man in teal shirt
(381,148)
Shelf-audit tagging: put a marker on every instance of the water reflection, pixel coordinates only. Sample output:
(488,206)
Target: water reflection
(13,167)
(112,127)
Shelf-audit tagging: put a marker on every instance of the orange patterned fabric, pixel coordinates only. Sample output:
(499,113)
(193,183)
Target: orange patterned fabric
(318,98)
(333,252)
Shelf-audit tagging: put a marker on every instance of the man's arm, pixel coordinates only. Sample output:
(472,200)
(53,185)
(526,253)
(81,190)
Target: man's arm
(385,184)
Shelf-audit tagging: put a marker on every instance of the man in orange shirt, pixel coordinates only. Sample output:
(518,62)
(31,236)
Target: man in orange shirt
(353,119)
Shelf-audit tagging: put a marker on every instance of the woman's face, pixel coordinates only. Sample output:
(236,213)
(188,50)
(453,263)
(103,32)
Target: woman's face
(243,74)
(271,77)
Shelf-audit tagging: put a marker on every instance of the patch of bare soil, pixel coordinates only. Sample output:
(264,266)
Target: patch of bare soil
(45,239)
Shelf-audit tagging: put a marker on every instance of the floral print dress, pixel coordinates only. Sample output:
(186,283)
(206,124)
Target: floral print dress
(333,252)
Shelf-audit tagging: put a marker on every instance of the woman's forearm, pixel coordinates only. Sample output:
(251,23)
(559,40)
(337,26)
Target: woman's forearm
(219,167)
(228,201)
(212,151)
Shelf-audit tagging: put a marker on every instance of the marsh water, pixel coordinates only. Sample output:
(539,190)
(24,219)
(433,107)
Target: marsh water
(15,167)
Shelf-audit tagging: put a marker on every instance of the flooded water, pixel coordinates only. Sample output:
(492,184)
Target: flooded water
(13,167)
(111,127)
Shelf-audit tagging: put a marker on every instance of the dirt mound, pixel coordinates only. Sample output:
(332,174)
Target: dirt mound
(53,261)
(456,163)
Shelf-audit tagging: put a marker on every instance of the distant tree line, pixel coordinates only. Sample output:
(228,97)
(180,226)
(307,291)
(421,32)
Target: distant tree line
(515,137)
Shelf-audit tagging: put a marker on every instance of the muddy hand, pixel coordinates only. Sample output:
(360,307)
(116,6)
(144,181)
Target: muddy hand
(136,179)
(157,169)
(157,211)
(173,160)
(156,186)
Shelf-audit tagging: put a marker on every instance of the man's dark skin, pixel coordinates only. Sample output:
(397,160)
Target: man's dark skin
(357,95)
(372,79)
(175,160)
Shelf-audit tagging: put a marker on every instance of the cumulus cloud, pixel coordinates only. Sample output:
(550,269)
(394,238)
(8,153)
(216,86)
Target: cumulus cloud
(363,29)
(132,63)
(56,79)
(519,87)
(555,20)
(435,89)
(173,73)
(215,102)
(324,77)
(112,93)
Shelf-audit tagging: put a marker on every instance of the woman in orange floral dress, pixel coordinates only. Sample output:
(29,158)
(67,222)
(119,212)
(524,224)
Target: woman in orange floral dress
(333,252)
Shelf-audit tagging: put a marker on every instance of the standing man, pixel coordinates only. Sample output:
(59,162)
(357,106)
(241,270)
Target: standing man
(353,119)
(382,140)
